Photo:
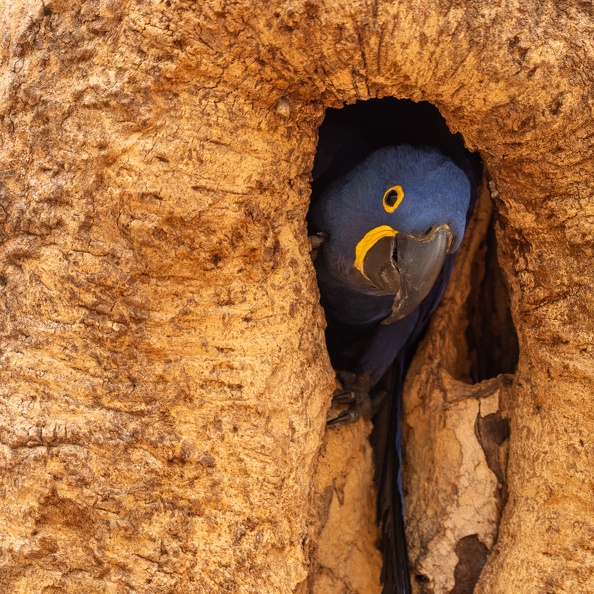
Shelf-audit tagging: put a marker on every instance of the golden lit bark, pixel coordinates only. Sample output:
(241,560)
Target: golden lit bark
(164,379)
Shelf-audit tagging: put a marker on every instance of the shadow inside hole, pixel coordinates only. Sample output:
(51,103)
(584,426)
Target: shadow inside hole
(491,336)
(348,135)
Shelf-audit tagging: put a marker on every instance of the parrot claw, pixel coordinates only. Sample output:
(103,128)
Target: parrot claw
(344,398)
(355,393)
(344,418)
(315,241)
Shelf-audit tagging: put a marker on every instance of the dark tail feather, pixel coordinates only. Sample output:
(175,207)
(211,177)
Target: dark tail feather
(386,442)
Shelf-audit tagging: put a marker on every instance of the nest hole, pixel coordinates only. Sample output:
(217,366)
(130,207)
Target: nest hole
(491,335)
(492,343)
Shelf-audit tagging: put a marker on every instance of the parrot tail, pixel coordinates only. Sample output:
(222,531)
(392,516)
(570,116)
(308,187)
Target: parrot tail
(386,442)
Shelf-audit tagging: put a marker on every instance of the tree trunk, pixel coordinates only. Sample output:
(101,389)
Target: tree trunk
(164,374)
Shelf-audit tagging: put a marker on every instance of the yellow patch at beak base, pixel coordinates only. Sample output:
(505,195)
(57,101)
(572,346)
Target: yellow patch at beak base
(368,241)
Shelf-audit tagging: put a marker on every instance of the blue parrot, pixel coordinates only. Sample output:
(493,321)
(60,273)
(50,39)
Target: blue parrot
(384,230)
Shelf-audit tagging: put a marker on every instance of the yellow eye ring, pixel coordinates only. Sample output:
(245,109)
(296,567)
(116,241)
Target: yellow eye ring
(392,198)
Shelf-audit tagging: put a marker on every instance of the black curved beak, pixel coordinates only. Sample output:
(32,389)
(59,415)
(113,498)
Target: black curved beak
(407,267)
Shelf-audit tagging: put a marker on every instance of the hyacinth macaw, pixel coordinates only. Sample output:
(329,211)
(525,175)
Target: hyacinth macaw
(385,225)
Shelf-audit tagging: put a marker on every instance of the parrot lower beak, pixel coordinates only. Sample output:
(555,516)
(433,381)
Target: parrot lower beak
(420,260)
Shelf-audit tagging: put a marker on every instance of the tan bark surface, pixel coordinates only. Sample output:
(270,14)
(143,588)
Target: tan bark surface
(164,381)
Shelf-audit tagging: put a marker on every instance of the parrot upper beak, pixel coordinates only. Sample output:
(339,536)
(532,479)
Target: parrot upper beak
(407,266)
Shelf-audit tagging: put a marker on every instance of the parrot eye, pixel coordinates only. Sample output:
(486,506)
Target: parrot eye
(392,198)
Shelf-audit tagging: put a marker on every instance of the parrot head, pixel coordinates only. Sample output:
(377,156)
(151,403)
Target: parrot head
(391,221)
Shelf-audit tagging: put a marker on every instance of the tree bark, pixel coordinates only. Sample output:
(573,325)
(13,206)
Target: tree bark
(164,375)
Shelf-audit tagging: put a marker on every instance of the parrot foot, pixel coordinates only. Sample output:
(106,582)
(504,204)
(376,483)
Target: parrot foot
(355,393)
(315,241)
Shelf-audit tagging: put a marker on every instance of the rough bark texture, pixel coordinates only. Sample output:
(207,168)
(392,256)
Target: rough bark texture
(164,380)
(345,558)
